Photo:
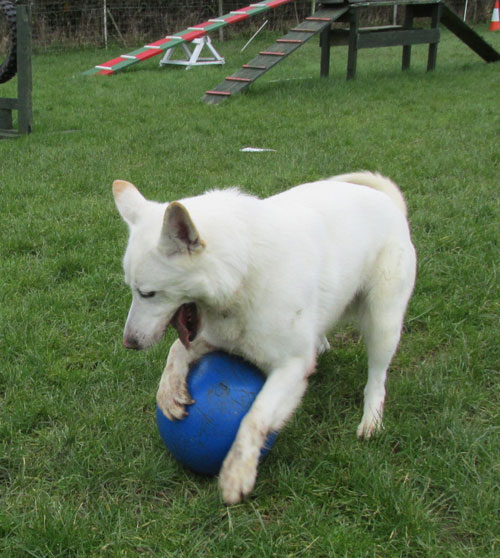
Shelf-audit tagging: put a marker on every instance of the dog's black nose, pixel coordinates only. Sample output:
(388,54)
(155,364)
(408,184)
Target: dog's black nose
(131,343)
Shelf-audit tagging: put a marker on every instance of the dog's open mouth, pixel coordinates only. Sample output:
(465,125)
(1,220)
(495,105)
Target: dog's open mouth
(186,323)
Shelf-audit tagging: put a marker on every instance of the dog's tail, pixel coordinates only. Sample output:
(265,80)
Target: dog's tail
(377,182)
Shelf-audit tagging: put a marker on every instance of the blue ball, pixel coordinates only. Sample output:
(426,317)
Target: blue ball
(224,388)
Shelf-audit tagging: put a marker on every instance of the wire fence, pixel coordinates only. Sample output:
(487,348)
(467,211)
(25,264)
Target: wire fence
(71,23)
(102,22)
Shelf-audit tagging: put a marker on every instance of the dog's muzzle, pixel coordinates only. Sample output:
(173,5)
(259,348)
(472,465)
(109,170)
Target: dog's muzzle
(131,343)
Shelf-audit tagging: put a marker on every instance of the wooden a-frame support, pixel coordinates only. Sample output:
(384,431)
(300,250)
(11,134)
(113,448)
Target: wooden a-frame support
(194,57)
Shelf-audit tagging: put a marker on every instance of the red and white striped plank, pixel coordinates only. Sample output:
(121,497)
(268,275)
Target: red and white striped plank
(188,35)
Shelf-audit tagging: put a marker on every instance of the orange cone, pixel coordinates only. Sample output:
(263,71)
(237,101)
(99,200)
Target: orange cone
(495,18)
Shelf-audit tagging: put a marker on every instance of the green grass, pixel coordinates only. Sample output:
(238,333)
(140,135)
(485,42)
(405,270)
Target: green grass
(82,469)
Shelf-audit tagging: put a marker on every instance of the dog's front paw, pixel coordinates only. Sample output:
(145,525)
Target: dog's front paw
(368,427)
(172,398)
(323,345)
(237,477)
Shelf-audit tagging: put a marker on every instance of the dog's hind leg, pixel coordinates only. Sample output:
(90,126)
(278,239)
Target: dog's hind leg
(381,320)
(272,408)
(381,340)
(173,396)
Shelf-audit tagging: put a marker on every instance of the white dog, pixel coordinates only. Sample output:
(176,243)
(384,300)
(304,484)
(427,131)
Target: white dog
(267,279)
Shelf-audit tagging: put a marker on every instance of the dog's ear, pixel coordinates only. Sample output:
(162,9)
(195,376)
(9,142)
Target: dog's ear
(179,234)
(129,200)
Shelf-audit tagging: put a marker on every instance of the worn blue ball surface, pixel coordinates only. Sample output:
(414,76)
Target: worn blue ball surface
(224,388)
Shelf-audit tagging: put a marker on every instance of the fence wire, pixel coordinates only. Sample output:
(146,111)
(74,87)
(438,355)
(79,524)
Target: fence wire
(98,23)
(72,23)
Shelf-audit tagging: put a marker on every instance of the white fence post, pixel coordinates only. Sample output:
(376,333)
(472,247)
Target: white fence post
(105,24)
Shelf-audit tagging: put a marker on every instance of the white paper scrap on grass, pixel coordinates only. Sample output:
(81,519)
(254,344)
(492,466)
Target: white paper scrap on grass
(255,149)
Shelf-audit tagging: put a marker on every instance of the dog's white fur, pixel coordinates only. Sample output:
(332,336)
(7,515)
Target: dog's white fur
(270,278)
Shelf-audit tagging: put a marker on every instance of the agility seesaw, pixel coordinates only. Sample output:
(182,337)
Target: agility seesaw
(182,37)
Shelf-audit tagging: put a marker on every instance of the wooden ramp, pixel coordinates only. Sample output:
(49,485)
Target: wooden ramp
(258,66)
(466,34)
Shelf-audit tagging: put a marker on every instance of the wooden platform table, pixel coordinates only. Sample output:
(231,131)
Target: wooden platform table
(406,35)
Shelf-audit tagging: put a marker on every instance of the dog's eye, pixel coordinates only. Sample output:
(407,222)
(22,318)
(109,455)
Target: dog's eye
(149,294)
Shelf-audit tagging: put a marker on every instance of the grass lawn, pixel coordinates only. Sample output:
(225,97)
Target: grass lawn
(83,472)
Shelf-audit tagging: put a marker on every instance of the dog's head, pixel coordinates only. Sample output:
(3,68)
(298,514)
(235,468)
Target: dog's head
(162,250)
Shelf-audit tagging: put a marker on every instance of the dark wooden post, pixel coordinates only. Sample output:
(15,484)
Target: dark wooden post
(435,19)
(23,102)
(407,24)
(324,41)
(24,72)
(352,55)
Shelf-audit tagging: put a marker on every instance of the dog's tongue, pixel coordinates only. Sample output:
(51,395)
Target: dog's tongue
(185,321)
